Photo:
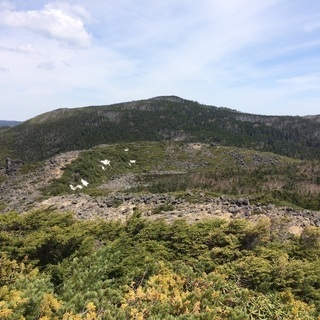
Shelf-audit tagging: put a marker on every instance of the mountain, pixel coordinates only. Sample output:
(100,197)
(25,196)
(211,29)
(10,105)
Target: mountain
(6,123)
(162,208)
(157,119)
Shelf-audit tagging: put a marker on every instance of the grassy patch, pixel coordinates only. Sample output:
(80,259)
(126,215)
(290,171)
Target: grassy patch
(30,167)
(2,206)
(163,208)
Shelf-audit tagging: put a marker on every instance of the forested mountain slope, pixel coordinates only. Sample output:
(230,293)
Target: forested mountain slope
(157,119)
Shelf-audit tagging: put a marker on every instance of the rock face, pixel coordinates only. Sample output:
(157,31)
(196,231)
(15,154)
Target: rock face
(12,166)
(22,192)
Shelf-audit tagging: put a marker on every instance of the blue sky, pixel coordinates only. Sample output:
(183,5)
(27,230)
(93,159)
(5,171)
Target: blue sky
(260,57)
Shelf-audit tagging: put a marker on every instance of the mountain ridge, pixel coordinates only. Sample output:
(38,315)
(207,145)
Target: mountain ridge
(156,119)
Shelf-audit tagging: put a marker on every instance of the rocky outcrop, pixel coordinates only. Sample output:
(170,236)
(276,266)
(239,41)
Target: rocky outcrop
(169,207)
(256,159)
(12,166)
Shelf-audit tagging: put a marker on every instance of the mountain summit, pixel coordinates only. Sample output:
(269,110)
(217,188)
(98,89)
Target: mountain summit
(156,119)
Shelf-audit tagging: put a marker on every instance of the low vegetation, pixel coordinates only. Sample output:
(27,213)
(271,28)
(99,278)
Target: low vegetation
(54,267)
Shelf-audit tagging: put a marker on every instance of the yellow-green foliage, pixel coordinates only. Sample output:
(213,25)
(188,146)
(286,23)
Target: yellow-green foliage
(168,295)
(54,267)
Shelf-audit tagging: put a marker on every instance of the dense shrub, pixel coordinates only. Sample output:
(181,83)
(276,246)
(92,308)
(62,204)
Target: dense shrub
(54,267)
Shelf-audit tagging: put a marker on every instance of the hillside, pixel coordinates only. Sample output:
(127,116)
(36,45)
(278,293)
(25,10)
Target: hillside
(158,168)
(157,119)
(160,209)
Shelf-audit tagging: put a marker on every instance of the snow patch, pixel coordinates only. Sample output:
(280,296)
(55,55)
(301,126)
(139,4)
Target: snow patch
(131,162)
(105,162)
(84,182)
(78,186)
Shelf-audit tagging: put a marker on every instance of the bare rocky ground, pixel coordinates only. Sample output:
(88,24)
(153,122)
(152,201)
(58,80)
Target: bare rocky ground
(169,207)
(21,193)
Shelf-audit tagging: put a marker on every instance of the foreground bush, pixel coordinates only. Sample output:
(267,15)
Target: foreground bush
(54,267)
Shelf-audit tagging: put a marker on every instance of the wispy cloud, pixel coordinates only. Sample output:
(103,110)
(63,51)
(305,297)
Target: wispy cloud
(27,48)
(47,65)
(4,70)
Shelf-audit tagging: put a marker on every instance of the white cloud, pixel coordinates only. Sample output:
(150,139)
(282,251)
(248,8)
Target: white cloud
(22,48)
(6,5)
(55,21)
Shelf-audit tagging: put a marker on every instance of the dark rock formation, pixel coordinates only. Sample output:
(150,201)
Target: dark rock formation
(12,166)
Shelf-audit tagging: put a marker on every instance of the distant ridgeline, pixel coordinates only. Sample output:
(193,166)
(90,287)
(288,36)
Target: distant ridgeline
(5,123)
(158,119)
